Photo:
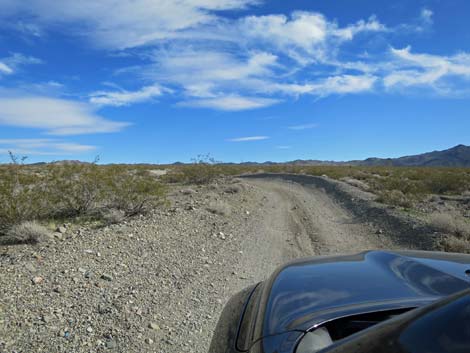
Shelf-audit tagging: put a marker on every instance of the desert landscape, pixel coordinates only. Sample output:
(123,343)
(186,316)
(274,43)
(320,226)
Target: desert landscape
(143,257)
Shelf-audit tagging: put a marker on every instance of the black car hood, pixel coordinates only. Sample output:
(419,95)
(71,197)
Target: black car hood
(304,294)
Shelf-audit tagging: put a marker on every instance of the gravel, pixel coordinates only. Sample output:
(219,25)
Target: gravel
(158,283)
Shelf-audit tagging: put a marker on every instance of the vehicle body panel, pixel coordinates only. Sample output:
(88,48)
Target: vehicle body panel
(304,294)
(442,327)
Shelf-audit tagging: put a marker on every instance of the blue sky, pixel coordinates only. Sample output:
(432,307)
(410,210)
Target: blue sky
(161,81)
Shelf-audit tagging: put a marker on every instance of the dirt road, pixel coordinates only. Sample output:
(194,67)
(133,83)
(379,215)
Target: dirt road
(158,283)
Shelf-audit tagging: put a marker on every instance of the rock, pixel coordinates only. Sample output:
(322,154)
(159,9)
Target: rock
(106,277)
(149,341)
(247,213)
(111,344)
(379,231)
(58,236)
(46,319)
(154,326)
(61,230)
(89,329)
(37,280)
(188,191)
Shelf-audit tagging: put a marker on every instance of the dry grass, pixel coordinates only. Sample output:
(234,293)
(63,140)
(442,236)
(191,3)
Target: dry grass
(455,244)
(27,233)
(450,224)
(395,198)
(112,216)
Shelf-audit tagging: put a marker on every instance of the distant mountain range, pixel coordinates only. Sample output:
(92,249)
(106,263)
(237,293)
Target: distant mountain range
(458,156)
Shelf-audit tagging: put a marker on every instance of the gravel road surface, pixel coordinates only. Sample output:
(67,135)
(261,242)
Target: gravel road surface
(158,283)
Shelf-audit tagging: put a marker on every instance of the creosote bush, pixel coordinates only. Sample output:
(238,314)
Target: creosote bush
(451,224)
(58,191)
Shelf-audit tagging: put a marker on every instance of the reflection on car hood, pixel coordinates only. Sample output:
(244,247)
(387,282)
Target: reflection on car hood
(304,294)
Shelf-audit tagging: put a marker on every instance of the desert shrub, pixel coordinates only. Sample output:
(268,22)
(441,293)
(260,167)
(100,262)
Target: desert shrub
(111,216)
(76,189)
(455,244)
(451,224)
(395,198)
(132,192)
(58,191)
(26,233)
(203,170)
(21,195)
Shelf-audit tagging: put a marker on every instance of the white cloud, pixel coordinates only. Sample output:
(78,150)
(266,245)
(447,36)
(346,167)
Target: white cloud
(10,64)
(371,25)
(339,84)
(423,22)
(283,147)
(123,97)
(248,138)
(43,147)
(305,36)
(230,103)
(426,16)
(303,127)
(221,80)
(55,116)
(303,29)
(4,68)
(344,84)
(120,24)
(214,61)
(426,70)
(201,68)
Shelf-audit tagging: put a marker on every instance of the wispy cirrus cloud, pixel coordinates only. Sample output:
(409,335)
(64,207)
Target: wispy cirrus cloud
(303,126)
(426,16)
(43,147)
(54,116)
(134,22)
(190,49)
(248,138)
(432,71)
(5,69)
(10,64)
(123,97)
(230,103)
